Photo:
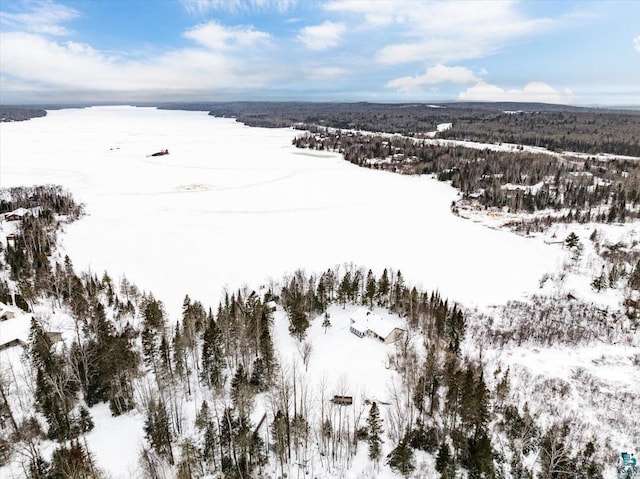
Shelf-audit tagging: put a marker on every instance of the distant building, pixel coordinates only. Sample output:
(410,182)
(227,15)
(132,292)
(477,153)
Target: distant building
(21,213)
(16,215)
(386,330)
(53,336)
(342,400)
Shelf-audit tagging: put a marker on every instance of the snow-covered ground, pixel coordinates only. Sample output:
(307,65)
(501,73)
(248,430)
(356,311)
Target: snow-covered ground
(232,204)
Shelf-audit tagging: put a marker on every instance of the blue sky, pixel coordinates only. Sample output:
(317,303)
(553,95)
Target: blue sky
(583,53)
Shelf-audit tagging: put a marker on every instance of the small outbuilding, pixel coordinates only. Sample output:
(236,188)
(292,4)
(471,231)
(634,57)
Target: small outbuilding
(342,400)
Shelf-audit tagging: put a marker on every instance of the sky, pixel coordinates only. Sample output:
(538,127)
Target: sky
(579,53)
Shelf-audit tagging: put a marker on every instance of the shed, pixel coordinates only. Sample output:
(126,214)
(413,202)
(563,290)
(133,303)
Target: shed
(342,400)
(11,240)
(53,336)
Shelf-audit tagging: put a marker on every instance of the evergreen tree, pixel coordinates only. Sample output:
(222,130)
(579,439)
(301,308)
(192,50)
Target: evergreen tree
(72,462)
(398,293)
(153,314)
(371,288)
(297,312)
(588,466)
(572,242)
(56,388)
(258,376)
(212,354)
(203,418)
(157,430)
(401,458)
(345,288)
(374,429)
(445,464)
(279,437)
(479,462)
(241,392)
(599,282)
(455,328)
(383,288)
(634,279)
(326,323)
(266,346)
(190,465)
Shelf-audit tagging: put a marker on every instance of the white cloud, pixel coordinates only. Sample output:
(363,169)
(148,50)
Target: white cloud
(436,74)
(215,36)
(34,62)
(636,43)
(322,37)
(441,31)
(325,73)
(44,17)
(532,92)
(205,6)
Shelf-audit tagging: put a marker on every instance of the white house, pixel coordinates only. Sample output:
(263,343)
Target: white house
(387,329)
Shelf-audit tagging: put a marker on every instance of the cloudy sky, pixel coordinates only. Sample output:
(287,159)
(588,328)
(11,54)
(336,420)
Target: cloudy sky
(581,53)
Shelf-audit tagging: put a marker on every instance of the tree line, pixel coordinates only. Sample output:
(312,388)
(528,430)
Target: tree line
(556,127)
(581,190)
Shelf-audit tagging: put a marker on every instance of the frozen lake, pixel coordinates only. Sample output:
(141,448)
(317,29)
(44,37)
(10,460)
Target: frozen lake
(233,205)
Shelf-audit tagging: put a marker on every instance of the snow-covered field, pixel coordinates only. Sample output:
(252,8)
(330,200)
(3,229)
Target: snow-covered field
(232,204)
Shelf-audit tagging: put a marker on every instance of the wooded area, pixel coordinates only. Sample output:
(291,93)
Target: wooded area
(129,353)
(8,113)
(557,127)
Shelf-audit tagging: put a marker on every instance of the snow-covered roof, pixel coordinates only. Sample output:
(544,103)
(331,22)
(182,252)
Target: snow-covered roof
(365,320)
(21,212)
(18,212)
(577,174)
(16,327)
(527,188)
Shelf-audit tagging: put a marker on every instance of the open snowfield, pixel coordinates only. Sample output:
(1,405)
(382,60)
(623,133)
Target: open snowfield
(232,205)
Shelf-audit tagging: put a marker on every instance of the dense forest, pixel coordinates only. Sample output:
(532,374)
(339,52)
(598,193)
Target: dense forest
(556,131)
(127,352)
(577,189)
(556,127)
(8,113)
